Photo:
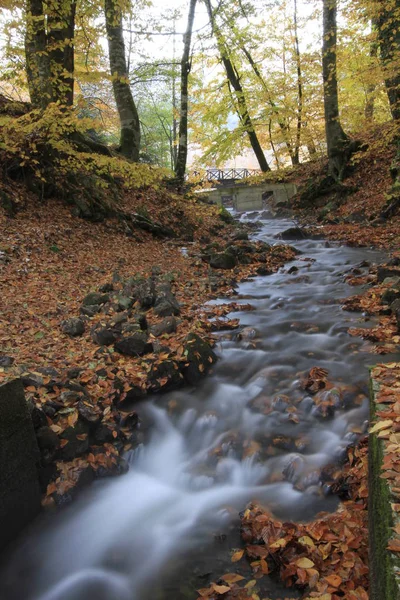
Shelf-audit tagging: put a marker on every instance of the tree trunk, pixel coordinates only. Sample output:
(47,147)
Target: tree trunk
(336,139)
(180,166)
(60,43)
(37,58)
(234,81)
(296,157)
(388,24)
(371,87)
(128,115)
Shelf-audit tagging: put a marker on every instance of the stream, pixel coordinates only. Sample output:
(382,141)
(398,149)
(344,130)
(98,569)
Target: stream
(166,528)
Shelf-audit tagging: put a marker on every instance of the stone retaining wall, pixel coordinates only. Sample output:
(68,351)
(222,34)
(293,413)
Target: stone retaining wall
(384,564)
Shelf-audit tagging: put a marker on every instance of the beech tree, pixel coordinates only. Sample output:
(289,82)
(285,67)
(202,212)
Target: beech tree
(336,138)
(128,115)
(237,91)
(186,65)
(49,51)
(388,25)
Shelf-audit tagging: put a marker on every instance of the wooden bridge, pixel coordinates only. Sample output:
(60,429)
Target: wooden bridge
(226,176)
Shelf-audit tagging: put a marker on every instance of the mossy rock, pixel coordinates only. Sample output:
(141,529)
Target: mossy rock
(384,565)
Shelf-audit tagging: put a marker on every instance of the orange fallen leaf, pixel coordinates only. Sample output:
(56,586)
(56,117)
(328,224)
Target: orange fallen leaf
(333,580)
(236,556)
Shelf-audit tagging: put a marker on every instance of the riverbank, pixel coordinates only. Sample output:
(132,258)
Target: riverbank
(283,397)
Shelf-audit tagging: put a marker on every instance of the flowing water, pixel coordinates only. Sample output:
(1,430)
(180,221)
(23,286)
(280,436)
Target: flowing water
(172,518)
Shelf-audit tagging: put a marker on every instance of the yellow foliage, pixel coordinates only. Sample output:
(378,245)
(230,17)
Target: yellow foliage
(42,142)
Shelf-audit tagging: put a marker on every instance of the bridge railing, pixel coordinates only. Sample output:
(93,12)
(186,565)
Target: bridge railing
(226,174)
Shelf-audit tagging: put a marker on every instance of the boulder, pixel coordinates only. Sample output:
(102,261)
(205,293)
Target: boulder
(164,376)
(106,288)
(128,328)
(103,435)
(89,413)
(395,308)
(386,271)
(48,443)
(166,304)
(104,336)
(134,394)
(167,326)
(77,438)
(391,294)
(145,292)
(199,358)
(95,298)
(32,379)
(123,302)
(70,397)
(241,235)
(223,260)
(6,361)
(73,327)
(134,345)
(292,233)
(38,417)
(90,311)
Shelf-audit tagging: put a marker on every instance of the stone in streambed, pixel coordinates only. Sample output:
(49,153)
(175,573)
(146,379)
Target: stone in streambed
(386,271)
(165,376)
(395,308)
(199,358)
(77,438)
(292,233)
(391,294)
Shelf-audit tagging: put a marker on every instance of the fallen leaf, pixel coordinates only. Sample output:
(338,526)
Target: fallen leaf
(236,556)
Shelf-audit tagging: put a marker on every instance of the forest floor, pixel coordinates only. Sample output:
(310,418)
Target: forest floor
(81,391)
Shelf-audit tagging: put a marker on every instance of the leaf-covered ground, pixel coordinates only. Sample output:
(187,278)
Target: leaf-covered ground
(50,261)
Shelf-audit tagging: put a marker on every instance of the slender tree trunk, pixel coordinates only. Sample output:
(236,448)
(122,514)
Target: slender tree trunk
(388,24)
(174,146)
(234,80)
(37,57)
(180,166)
(60,43)
(128,115)
(336,139)
(312,151)
(281,122)
(296,157)
(271,141)
(371,87)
